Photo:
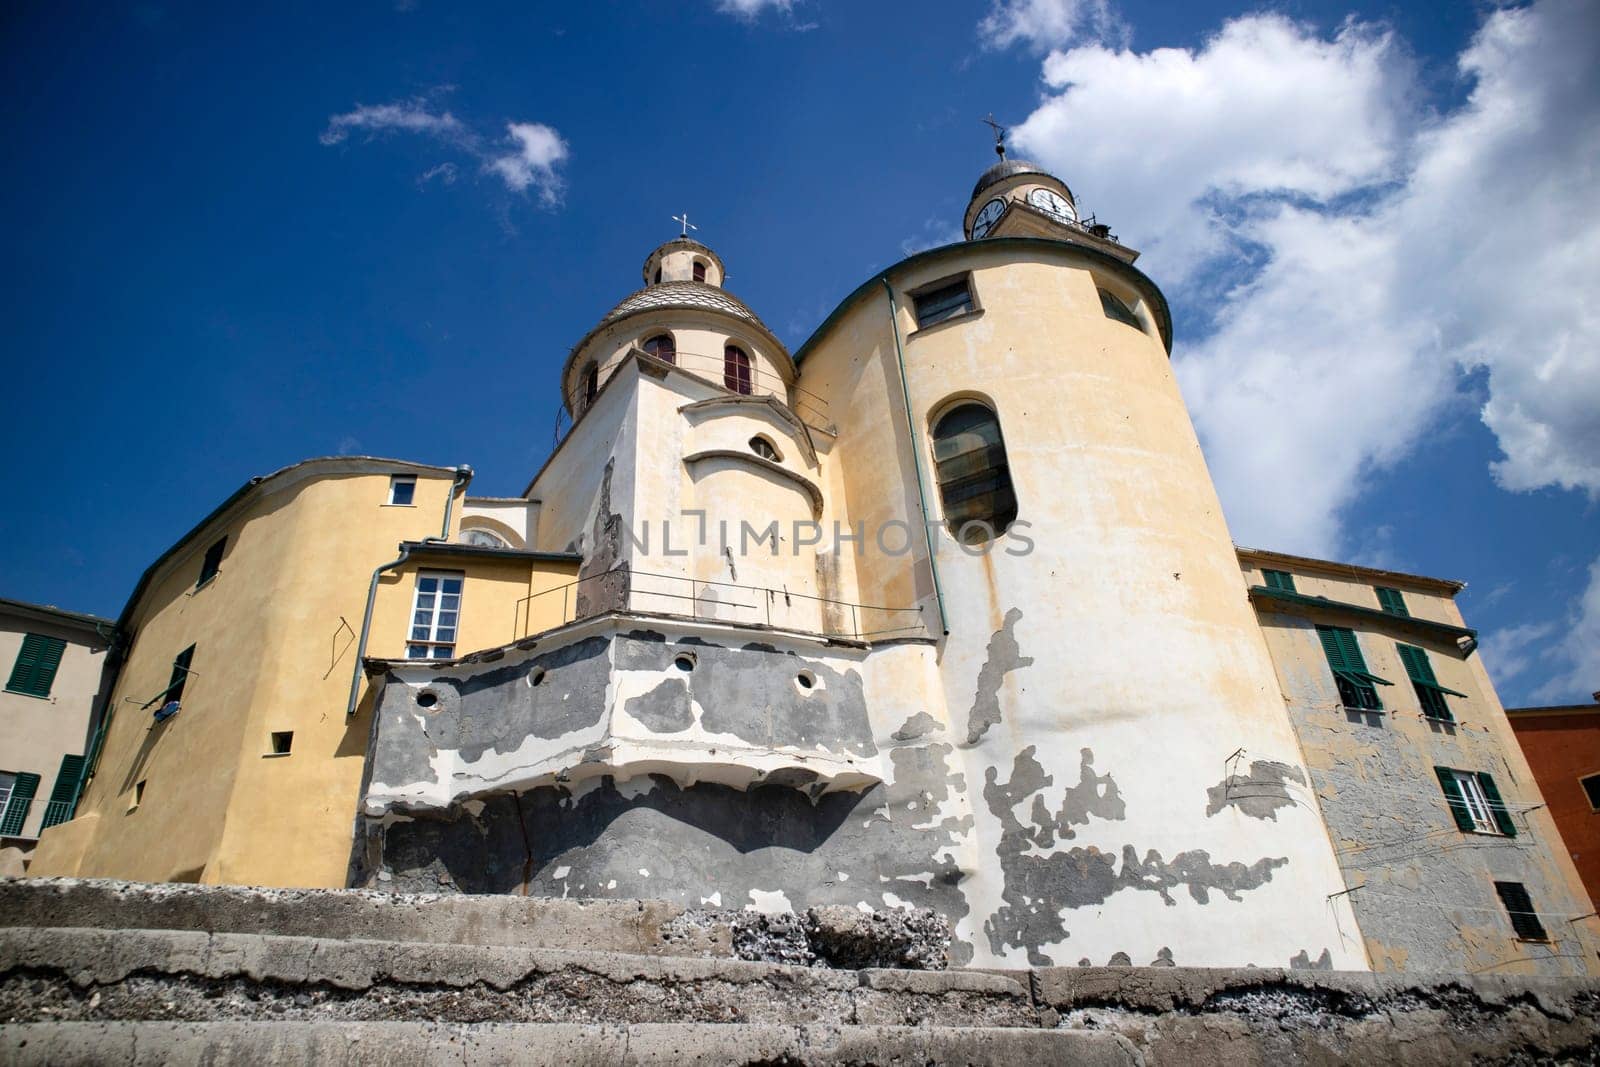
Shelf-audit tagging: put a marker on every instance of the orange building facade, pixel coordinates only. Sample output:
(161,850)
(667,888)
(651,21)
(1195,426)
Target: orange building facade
(1562,744)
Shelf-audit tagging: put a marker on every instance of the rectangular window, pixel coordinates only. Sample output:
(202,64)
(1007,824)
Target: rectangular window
(282,742)
(34,672)
(212,563)
(1279,580)
(64,794)
(1524,920)
(944,302)
(1430,694)
(19,798)
(1392,602)
(1475,802)
(1357,685)
(402,490)
(175,684)
(435,615)
(1117,309)
(1591,789)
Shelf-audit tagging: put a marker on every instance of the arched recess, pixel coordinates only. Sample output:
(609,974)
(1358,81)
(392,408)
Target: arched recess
(663,347)
(972,471)
(483,524)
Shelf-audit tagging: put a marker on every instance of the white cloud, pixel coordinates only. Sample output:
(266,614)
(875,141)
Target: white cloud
(936,231)
(527,158)
(1577,654)
(1508,653)
(1358,255)
(1046,23)
(751,10)
(539,149)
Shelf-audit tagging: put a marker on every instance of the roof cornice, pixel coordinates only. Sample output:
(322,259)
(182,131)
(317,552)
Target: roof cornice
(1447,586)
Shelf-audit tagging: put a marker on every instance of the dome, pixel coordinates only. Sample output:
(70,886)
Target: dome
(1004,169)
(692,295)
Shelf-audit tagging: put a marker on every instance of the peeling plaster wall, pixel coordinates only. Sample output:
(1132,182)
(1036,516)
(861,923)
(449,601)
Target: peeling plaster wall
(1426,899)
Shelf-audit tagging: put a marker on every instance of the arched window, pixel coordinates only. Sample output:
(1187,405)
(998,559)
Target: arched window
(699,271)
(662,347)
(736,369)
(974,478)
(1114,308)
(591,384)
(764,448)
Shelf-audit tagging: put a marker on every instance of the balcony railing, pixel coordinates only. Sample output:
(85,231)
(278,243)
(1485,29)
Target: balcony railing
(675,596)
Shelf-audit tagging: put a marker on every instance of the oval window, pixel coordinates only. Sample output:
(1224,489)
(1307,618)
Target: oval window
(764,448)
(974,478)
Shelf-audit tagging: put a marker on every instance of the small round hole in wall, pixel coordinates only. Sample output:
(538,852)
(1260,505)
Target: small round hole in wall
(806,681)
(427,698)
(684,661)
(537,677)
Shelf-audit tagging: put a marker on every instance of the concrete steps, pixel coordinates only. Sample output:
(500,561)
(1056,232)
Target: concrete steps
(394,1044)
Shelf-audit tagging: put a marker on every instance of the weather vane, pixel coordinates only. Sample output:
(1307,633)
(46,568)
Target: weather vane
(686,224)
(999,135)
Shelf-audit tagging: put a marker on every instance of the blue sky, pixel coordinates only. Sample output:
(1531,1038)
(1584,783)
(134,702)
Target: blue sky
(240,240)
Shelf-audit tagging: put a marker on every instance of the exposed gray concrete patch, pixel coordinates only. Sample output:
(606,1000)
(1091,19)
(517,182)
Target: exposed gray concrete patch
(401,749)
(1258,794)
(919,725)
(750,692)
(603,577)
(1164,958)
(1040,888)
(1302,961)
(1004,656)
(500,708)
(664,709)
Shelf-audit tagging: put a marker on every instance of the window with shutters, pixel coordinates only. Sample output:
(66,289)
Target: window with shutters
(1279,580)
(1591,789)
(1115,308)
(1430,694)
(1519,906)
(969,458)
(943,300)
(212,564)
(1392,602)
(1475,803)
(34,671)
(64,794)
(1357,685)
(663,347)
(20,788)
(435,615)
(736,369)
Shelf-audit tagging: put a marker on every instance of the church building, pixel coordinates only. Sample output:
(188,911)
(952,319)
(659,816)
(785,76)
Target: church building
(938,610)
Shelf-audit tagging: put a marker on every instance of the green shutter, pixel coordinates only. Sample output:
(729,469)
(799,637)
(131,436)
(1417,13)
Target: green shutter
(16,812)
(1420,670)
(35,670)
(1279,580)
(1497,807)
(1329,637)
(64,794)
(1453,797)
(1392,602)
(1353,662)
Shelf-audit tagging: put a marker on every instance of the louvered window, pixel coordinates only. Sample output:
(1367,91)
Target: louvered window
(1430,694)
(1475,802)
(18,800)
(1392,602)
(1357,685)
(1519,906)
(945,302)
(736,369)
(64,794)
(34,672)
(1279,580)
(974,476)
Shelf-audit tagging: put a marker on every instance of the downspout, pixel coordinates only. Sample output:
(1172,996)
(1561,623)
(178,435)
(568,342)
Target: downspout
(463,476)
(916,457)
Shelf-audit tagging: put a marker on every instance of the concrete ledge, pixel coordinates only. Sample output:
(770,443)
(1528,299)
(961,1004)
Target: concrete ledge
(399,1044)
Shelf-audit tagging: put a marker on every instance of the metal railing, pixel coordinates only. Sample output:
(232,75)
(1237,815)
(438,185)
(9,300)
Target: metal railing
(56,812)
(807,406)
(649,593)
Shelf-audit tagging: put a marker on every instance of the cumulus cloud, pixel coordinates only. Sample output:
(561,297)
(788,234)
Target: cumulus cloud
(526,159)
(1357,256)
(1576,656)
(1043,24)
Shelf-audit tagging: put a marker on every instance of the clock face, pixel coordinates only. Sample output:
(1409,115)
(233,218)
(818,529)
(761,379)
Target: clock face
(986,218)
(1053,202)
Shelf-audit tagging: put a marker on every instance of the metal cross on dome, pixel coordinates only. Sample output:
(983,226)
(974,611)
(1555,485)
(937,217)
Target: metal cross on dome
(999,135)
(683,220)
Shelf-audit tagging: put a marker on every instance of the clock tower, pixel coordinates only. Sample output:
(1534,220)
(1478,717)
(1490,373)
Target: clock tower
(1015,198)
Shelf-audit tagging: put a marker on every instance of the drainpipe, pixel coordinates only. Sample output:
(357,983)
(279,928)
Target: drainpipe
(916,457)
(463,476)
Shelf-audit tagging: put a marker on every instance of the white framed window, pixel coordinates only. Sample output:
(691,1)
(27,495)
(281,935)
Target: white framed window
(402,490)
(1477,804)
(435,615)
(8,782)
